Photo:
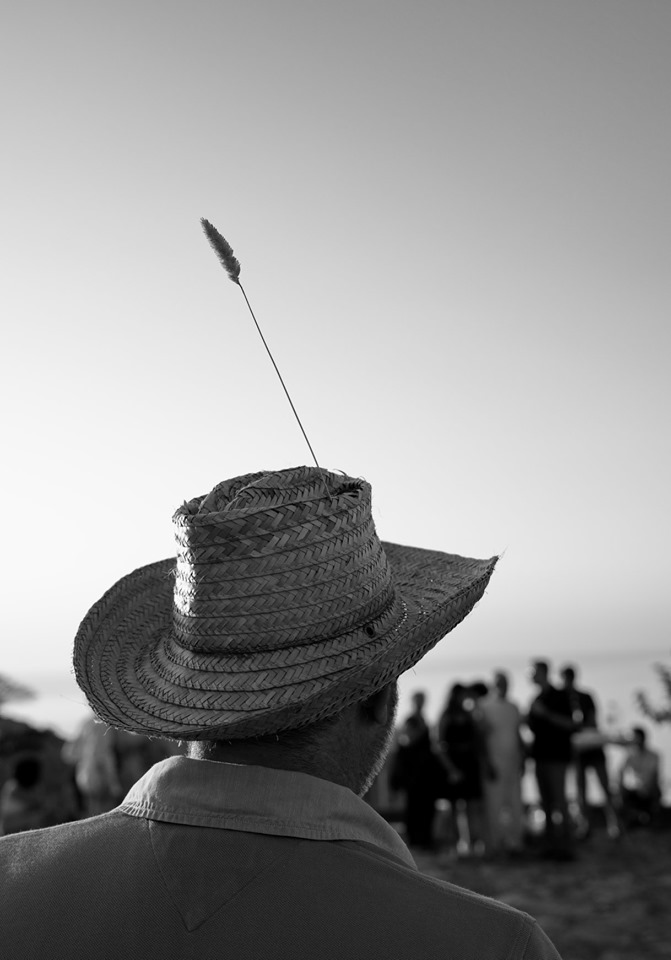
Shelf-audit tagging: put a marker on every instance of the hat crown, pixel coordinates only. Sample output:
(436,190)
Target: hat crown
(255,492)
(268,560)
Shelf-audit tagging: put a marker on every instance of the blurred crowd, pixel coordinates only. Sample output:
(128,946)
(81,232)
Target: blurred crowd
(462,779)
(45,780)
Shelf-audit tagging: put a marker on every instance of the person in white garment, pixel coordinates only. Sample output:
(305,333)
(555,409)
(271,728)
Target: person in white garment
(502,783)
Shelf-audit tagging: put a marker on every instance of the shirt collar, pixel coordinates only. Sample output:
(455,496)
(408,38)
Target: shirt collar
(207,793)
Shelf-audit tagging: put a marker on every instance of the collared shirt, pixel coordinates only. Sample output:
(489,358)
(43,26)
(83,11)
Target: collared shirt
(213,860)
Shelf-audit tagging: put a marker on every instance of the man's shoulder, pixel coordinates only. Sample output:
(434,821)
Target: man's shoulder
(586,699)
(358,892)
(22,853)
(411,904)
(404,876)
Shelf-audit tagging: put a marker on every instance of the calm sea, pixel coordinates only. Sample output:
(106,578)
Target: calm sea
(612,679)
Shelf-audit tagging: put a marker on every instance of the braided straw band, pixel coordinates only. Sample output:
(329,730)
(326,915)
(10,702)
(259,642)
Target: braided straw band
(282,607)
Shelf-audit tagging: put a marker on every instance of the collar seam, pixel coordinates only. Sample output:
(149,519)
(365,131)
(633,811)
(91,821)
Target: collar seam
(138,808)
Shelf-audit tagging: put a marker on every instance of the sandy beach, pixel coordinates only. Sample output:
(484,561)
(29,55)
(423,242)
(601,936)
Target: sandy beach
(610,904)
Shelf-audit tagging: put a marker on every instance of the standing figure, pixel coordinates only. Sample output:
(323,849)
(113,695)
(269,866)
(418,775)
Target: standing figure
(96,774)
(108,762)
(584,711)
(461,746)
(502,784)
(419,765)
(551,722)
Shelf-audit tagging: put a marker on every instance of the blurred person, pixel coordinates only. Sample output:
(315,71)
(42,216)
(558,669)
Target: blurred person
(588,754)
(23,805)
(94,760)
(475,693)
(550,720)
(108,762)
(640,782)
(35,775)
(272,644)
(502,782)
(417,775)
(463,750)
(37,794)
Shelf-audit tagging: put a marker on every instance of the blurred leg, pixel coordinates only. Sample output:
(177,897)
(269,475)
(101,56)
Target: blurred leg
(551,777)
(514,828)
(477,830)
(612,822)
(581,784)
(494,808)
(583,824)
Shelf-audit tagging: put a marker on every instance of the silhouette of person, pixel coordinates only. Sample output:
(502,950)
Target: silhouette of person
(502,786)
(584,714)
(419,776)
(108,762)
(462,747)
(550,720)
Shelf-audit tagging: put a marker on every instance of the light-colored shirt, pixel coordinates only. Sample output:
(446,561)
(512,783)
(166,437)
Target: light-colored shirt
(640,771)
(501,727)
(211,860)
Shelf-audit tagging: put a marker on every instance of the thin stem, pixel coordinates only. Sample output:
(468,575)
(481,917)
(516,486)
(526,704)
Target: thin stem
(285,388)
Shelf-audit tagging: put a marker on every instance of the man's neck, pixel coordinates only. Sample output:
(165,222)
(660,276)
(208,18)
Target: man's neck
(267,755)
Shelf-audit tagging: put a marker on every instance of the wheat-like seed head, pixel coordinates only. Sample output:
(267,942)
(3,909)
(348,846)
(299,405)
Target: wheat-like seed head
(223,250)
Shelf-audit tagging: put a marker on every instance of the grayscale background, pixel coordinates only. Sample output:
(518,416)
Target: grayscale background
(453,223)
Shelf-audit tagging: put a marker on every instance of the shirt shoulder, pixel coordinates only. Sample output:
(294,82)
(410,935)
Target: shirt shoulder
(34,858)
(317,898)
(407,913)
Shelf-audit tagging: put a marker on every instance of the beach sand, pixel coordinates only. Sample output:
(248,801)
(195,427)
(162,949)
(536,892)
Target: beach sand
(613,903)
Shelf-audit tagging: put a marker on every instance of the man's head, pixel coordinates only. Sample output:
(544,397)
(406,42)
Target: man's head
(348,748)
(501,684)
(640,737)
(455,697)
(540,673)
(568,675)
(478,690)
(418,701)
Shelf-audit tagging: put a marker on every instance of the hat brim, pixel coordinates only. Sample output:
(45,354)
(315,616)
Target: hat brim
(124,655)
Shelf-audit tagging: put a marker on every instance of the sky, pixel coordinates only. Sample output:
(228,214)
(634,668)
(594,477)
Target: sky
(453,221)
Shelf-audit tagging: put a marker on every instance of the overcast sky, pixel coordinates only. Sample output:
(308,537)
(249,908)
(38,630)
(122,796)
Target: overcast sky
(453,222)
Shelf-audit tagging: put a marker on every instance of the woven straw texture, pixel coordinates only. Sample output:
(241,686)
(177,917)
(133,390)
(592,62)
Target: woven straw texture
(281,607)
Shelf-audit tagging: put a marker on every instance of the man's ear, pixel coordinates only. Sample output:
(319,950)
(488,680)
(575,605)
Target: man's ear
(380,707)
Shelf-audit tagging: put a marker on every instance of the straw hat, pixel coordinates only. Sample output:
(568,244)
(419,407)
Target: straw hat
(281,608)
